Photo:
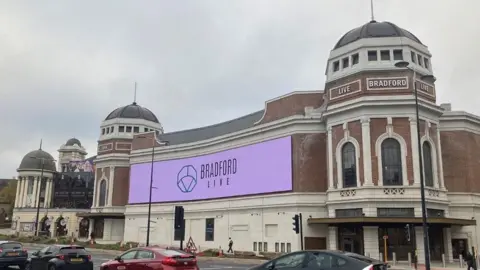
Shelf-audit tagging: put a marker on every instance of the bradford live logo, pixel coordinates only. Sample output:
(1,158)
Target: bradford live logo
(214,175)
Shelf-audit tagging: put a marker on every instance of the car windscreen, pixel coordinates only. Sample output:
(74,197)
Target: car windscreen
(11,245)
(79,250)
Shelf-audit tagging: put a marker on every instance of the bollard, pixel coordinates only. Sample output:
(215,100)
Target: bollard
(409,258)
(394,258)
(460,258)
(381,257)
(443,260)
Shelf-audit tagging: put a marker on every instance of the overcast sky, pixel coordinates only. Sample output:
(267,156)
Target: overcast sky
(65,64)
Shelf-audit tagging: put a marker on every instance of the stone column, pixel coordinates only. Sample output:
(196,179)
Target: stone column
(46,202)
(17,192)
(419,244)
(23,191)
(35,191)
(332,243)
(367,152)
(440,161)
(330,158)
(415,153)
(91,225)
(110,186)
(447,237)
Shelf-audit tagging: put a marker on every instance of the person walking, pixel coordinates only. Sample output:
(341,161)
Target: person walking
(230,245)
(470,259)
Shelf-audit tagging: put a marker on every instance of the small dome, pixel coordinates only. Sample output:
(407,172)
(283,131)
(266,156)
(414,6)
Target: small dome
(374,29)
(72,142)
(133,111)
(33,161)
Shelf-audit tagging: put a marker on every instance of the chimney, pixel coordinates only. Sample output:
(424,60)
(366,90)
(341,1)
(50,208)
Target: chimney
(446,106)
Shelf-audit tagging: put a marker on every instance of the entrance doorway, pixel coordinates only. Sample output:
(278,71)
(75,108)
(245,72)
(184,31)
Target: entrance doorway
(350,239)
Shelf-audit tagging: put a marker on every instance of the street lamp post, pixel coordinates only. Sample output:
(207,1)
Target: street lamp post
(147,243)
(39,190)
(405,64)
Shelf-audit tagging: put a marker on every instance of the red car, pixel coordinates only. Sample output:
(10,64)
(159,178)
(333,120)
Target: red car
(152,258)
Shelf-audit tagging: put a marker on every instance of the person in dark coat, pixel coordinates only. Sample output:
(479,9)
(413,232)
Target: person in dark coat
(230,245)
(470,259)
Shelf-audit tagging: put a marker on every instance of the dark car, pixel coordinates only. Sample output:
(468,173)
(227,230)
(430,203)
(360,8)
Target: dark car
(65,257)
(12,253)
(378,265)
(152,258)
(317,260)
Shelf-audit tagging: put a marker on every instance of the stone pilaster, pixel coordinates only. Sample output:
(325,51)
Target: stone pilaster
(370,242)
(332,238)
(419,244)
(415,153)
(110,186)
(91,227)
(17,192)
(35,191)
(23,192)
(367,152)
(330,157)
(447,237)
(440,160)
(48,192)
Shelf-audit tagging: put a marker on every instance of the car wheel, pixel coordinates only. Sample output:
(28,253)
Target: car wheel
(27,266)
(52,267)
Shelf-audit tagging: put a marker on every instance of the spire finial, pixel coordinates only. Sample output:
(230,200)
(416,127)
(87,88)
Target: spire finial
(41,141)
(372,15)
(135,94)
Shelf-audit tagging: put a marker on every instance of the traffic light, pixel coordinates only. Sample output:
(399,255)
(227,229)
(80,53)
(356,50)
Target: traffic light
(179,216)
(407,232)
(296,224)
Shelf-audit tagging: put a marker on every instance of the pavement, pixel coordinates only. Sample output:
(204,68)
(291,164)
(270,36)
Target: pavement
(100,256)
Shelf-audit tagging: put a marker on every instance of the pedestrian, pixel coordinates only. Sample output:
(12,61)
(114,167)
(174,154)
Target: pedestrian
(470,259)
(230,245)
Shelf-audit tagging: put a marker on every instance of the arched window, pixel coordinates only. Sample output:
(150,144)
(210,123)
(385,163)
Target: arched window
(427,164)
(349,166)
(391,162)
(103,193)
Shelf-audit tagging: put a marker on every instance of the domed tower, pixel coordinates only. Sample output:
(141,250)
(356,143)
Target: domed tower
(33,165)
(373,148)
(112,163)
(72,150)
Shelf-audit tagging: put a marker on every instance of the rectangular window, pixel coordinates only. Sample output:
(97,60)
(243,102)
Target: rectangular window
(355,59)
(145,129)
(427,63)
(289,247)
(260,246)
(385,55)
(265,247)
(345,62)
(121,129)
(282,247)
(355,212)
(111,129)
(209,229)
(136,129)
(395,212)
(420,59)
(129,129)
(397,55)
(336,66)
(103,131)
(435,213)
(277,247)
(414,60)
(372,56)
(254,246)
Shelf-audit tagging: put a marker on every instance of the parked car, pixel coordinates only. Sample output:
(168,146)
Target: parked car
(378,265)
(317,260)
(65,257)
(12,254)
(152,258)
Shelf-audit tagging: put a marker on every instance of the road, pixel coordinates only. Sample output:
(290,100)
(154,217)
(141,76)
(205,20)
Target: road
(205,264)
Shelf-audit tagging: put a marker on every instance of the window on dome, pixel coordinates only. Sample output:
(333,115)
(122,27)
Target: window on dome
(427,64)
(397,55)
(145,129)
(345,62)
(129,129)
(107,130)
(420,62)
(136,129)
(355,59)
(121,129)
(103,131)
(385,55)
(414,60)
(336,66)
(111,129)
(372,56)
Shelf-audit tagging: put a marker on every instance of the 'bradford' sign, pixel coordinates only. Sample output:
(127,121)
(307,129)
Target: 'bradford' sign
(387,83)
(344,90)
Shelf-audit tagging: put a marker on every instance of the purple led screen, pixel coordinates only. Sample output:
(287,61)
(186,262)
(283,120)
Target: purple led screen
(260,168)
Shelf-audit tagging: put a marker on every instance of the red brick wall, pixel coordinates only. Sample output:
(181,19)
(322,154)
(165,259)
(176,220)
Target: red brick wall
(309,162)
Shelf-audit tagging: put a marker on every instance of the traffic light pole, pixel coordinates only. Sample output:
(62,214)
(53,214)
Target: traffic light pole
(301,230)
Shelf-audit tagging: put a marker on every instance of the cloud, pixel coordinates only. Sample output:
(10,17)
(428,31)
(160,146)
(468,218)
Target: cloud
(64,65)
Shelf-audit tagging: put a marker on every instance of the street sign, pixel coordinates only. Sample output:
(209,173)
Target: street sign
(191,245)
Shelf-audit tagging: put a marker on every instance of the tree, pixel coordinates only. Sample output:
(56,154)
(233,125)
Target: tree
(7,195)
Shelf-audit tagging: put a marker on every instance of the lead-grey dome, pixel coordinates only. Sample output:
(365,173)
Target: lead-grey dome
(33,161)
(72,142)
(375,29)
(133,111)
